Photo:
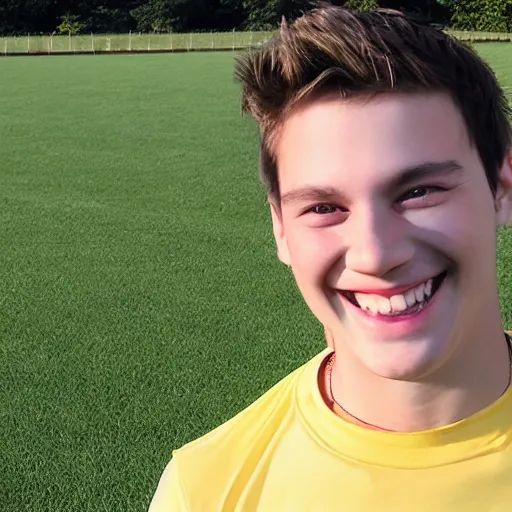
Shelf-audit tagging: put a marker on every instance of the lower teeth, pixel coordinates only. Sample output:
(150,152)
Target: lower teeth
(409,311)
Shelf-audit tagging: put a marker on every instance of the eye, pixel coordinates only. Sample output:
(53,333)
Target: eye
(323,209)
(324,215)
(416,192)
(421,195)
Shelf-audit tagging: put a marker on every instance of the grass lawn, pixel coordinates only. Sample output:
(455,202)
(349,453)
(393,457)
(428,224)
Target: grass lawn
(141,299)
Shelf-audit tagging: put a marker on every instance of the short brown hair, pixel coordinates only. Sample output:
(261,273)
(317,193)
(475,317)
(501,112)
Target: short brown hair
(363,54)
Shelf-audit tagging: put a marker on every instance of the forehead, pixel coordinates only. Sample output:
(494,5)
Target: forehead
(354,141)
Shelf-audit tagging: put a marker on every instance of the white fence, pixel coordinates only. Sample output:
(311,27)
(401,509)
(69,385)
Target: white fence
(138,42)
(132,42)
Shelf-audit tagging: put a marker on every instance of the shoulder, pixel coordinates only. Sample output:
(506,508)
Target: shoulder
(207,467)
(261,417)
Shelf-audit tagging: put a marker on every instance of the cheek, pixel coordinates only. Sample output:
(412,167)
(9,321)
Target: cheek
(460,228)
(312,253)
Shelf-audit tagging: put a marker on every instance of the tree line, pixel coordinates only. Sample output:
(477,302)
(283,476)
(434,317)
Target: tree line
(119,16)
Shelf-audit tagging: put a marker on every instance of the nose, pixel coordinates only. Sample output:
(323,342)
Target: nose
(376,242)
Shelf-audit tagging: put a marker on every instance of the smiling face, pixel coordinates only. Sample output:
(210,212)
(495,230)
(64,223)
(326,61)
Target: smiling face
(388,223)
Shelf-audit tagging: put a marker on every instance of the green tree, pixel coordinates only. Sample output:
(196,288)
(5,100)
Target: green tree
(261,14)
(266,14)
(483,15)
(175,15)
(70,24)
(150,17)
(362,5)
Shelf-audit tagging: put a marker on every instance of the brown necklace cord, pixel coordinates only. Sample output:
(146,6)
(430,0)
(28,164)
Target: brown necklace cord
(330,363)
(509,346)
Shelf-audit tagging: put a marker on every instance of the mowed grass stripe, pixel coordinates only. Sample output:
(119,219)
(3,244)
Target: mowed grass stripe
(142,303)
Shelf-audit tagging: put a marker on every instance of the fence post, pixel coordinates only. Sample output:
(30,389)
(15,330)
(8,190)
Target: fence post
(92,42)
(149,44)
(51,44)
(171,40)
(190,48)
(250,38)
(233,39)
(5,46)
(28,43)
(69,36)
(212,39)
(130,41)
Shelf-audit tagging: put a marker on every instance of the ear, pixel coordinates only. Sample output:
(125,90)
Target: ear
(503,199)
(279,233)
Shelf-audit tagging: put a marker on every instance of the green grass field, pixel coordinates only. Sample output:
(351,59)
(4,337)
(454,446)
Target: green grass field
(141,301)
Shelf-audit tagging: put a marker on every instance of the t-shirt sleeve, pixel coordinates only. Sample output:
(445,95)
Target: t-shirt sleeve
(169,495)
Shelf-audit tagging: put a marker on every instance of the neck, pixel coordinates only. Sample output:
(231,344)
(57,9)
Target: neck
(473,379)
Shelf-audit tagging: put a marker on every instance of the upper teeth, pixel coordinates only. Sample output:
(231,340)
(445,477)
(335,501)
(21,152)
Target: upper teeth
(377,304)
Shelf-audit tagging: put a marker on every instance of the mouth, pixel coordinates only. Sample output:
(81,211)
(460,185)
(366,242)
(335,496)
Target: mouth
(405,304)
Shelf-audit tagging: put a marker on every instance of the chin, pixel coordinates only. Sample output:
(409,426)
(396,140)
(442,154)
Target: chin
(404,360)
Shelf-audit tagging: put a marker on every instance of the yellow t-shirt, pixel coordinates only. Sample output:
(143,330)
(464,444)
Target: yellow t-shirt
(289,452)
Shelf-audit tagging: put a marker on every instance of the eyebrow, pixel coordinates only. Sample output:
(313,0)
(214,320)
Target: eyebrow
(403,178)
(426,170)
(310,193)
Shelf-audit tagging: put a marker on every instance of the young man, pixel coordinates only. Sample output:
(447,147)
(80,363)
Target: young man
(385,151)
